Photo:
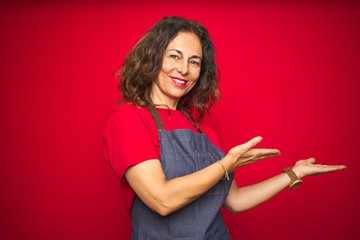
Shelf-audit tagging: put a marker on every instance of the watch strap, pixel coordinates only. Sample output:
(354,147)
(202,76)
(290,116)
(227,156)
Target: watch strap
(295,180)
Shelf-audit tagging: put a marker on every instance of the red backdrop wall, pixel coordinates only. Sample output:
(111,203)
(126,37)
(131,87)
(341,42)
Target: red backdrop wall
(289,72)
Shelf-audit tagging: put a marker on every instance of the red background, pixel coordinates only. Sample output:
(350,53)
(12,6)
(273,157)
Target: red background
(289,72)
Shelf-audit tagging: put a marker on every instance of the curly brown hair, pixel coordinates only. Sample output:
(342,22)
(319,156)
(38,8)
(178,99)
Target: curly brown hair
(143,64)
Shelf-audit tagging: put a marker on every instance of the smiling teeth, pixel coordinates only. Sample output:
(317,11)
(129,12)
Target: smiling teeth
(179,81)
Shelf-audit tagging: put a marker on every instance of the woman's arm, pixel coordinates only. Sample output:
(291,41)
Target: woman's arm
(148,180)
(245,198)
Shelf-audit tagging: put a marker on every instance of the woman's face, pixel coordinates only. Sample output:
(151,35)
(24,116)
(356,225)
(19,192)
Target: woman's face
(180,70)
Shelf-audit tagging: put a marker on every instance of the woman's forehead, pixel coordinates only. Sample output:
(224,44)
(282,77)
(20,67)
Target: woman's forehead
(187,43)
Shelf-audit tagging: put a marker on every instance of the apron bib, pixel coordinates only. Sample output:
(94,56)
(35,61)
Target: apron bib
(183,152)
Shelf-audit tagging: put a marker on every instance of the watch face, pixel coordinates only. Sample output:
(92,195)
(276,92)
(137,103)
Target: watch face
(296,184)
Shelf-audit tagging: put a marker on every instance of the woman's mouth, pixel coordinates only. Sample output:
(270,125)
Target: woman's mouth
(179,81)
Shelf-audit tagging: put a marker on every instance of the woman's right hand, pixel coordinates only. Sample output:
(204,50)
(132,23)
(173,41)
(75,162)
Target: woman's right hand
(149,182)
(245,154)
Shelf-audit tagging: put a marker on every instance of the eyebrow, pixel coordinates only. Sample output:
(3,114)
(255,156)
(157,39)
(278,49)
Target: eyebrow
(180,52)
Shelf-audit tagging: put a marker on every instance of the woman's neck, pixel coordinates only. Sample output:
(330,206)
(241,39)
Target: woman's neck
(164,102)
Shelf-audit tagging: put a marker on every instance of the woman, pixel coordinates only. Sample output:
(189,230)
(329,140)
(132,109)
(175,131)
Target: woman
(174,178)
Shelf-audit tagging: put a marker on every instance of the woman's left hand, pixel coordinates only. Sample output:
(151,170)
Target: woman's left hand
(304,168)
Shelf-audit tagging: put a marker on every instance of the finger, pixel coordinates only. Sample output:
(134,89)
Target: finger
(331,166)
(328,166)
(258,153)
(310,160)
(252,143)
(331,169)
(267,156)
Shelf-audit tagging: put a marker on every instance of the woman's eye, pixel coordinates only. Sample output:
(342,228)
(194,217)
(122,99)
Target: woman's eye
(174,56)
(195,63)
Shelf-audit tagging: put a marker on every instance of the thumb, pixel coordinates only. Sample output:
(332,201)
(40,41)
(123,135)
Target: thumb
(252,143)
(310,160)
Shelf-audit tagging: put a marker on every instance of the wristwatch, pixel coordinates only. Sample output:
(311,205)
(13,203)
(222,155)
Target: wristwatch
(295,180)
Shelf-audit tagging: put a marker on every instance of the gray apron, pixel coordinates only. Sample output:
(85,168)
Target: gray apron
(183,152)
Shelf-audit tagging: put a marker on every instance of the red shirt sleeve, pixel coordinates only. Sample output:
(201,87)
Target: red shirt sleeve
(128,139)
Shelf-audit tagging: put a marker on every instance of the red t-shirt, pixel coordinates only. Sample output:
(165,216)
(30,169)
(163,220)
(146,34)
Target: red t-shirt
(131,137)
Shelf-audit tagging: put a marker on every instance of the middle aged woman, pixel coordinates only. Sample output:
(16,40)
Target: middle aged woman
(175,180)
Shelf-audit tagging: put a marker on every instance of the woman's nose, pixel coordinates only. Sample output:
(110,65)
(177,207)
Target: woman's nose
(183,67)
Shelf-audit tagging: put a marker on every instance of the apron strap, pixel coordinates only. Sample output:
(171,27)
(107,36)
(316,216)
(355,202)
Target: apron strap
(192,120)
(155,115)
(159,124)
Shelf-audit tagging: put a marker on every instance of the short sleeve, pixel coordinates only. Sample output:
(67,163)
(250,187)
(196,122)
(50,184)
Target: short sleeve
(128,140)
